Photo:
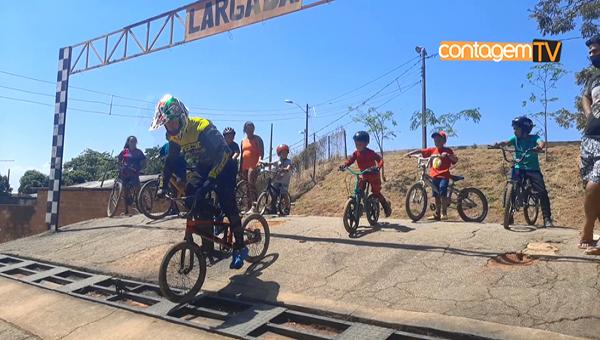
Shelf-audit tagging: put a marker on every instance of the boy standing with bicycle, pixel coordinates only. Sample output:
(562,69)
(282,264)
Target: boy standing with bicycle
(530,167)
(439,172)
(367,158)
(283,166)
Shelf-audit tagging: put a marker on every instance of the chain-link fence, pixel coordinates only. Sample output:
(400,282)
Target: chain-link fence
(314,162)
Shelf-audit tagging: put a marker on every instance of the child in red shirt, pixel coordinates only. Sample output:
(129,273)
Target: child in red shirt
(367,158)
(439,172)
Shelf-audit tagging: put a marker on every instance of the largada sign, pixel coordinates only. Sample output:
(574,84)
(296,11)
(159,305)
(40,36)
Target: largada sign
(208,17)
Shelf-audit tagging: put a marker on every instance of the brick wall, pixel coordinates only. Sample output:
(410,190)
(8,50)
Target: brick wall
(76,204)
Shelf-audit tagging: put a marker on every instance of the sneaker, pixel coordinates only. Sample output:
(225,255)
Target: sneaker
(444,217)
(387,208)
(238,257)
(434,217)
(548,223)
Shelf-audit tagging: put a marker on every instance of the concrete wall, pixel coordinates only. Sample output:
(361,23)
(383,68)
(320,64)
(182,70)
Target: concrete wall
(76,204)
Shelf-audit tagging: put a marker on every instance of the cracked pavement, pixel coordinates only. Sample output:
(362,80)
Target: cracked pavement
(428,268)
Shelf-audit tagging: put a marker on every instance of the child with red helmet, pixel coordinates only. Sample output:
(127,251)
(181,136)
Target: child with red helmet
(366,158)
(439,172)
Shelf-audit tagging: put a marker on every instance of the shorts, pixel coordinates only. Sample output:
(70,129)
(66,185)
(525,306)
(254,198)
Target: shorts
(442,186)
(130,181)
(282,187)
(590,160)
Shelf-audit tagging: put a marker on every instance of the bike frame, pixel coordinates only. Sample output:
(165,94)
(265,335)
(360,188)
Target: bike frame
(426,180)
(521,187)
(359,195)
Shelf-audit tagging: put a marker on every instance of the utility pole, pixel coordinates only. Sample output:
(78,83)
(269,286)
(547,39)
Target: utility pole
(306,130)
(423,53)
(271,145)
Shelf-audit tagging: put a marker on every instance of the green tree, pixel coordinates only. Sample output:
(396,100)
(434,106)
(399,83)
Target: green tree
(380,125)
(562,16)
(155,163)
(544,78)
(5,188)
(88,166)
(445,121)
(31,180)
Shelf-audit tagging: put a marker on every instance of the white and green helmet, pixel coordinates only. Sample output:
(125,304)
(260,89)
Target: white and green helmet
(167,109)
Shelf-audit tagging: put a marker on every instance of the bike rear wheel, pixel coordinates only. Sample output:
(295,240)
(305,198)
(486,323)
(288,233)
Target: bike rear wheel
(115,198)
(284,204)
(472,205)
(241,196)
(350,217)
(256,237)
(509,194)
(372,207)
(531,209)
(150,204)
(182,272)
(416,202)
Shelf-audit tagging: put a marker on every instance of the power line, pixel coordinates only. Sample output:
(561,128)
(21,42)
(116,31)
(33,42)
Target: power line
(369,82)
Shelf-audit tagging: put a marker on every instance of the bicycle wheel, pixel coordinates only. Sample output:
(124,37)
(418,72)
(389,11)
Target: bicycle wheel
(115,198)
(285,204)
(532,209)
(472,205)
(263,202)
(151,205)
(350,218)
(182,272)
(256,237)
(416,202)
(241,196)
(372,207)
(508,205)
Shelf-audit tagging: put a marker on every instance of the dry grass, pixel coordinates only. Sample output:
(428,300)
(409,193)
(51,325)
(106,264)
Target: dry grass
(482,168)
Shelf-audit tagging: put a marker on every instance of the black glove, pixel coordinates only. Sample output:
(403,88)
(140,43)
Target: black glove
(342,168)
(207,186)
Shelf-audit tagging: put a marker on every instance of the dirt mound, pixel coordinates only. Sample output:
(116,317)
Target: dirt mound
(484,169)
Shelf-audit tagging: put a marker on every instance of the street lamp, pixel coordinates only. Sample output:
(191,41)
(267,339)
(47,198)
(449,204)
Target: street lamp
(289,101)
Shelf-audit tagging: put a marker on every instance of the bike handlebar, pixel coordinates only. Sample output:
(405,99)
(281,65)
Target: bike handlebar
(513,161)
(363,172)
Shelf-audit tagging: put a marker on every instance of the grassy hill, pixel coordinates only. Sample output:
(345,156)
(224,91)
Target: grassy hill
(484,169)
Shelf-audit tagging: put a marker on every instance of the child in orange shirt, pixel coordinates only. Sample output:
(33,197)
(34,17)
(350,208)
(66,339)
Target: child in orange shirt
(439,172)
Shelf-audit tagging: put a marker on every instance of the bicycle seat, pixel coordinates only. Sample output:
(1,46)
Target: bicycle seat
(456,178)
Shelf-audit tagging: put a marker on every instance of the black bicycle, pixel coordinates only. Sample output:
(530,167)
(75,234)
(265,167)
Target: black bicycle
(125,190)
(518,193)
(273,197)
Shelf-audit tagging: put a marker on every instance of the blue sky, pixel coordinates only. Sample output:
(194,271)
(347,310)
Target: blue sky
(310,57)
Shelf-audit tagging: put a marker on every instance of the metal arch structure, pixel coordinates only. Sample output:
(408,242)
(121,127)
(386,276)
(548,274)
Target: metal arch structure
(134,40)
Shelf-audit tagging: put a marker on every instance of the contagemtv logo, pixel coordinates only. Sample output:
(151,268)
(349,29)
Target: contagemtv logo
(539,51)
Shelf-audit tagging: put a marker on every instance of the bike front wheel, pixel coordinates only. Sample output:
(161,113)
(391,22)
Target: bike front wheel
(472,205)
(256,237)
(114,198)
(242,200)
(416,202)
(150,204)
(182,272)
(532,209)
(264,202)
(350,218)
(373,209)
(508,206)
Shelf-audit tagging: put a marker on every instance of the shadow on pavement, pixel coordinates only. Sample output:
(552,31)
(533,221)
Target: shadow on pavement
(248,285)
(134,226)
(522,228)
(364,231)
(429,248)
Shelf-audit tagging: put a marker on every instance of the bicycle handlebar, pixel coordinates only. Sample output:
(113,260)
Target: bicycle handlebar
(513,161)
(363,172)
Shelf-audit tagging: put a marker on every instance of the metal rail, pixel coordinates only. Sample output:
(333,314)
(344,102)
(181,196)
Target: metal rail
(209,312)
